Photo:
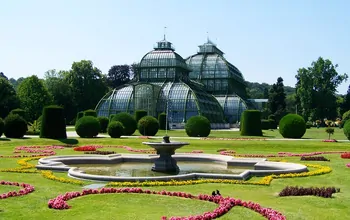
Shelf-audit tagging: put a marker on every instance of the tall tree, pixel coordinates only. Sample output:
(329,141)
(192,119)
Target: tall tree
(62,92)
(277,99)
(34,96)
(345,105)
(87,83)
(118,75)
(316,87)
(2,75)
(8,97)
(15,82)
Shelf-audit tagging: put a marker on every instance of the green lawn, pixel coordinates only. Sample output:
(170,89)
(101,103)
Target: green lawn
(128,206)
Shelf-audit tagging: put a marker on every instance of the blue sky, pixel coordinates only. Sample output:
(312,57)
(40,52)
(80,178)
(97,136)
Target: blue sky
(264,39)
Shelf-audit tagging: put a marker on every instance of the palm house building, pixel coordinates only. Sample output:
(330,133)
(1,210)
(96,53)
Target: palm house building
(204,84)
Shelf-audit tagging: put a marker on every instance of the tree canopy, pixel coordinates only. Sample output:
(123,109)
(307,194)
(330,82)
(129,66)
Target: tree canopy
(8,97)
(118,75)
(277,99)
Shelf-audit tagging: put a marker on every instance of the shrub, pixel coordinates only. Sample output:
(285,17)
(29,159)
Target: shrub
(329,131)
(273,124)
(308,124)
(140,114)
(19,112)
(251,123)
(292,126)
(87,127)
(317,158)
(346,129)
(1,126)
(198,126)
(90,112)
(162,121)
(34,128)
(128,122)
(265,124)
(111,116)
(53,123)
(79,116)
(346,116)
(15,126)
(40,119)
(103,123)
(115,129)
(148,126)
(272,117)
(311,191)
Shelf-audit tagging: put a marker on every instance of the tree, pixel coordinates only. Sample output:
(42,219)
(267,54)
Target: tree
(345,105)
(62,92)
(118,75)
(15,83)
(87,83)
(277,99)
(2,75)
(34,96)
(8,97)
(316,87)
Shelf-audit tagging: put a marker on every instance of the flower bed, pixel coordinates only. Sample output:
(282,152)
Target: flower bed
(35,151)
(311,191)
(348,165)
(345,155)
(330,140)
(280,154)
(49,175)
(100,152)
(85,148)
(225,204)
(318,158)
(27,188)
(234,139)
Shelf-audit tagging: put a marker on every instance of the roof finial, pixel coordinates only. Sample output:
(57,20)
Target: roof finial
(207,37)
(164,32)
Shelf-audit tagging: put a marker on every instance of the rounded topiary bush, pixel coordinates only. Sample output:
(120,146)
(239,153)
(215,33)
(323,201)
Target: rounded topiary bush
(15,126)
(111,116)
(162,121)
(19,112)
(79,116)
(148,126)
(198,126)
(346,129)
(90,112)
(103,123)
(1,126)
(292,126)
(115,129)
(53,124)
(251,123)
(128,122)
(140,114)
(87,127)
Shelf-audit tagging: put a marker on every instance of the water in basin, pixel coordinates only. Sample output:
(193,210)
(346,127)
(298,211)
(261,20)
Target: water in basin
(133,169)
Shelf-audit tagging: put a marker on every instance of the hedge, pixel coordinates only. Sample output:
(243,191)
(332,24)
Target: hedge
(128,122)
(198,126)
(90,112)
(251,123)
(87,127)
(53,123)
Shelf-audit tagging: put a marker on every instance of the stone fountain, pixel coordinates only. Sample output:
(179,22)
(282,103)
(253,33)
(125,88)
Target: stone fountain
(166,163)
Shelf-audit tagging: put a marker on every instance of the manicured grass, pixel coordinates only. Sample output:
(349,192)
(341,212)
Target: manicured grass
(129,206)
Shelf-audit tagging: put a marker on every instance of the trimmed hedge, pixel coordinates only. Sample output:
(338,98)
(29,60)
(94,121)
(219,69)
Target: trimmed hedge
(292,126)
(128,122)
(198,126)
(115,129)
(162,121)
(87,127)
(265,124)
(251,123)
(15,126)
(346,129)
(90,112)
(111,116)
(19,112)
(2,125)
(53,123)
(103,123)
(148,126)
(140,114)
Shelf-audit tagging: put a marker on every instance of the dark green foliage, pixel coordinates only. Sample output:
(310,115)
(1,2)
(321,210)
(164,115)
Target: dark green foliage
(40,119)
(128,122)
(148,126)
(272,116)
(251,123)
(79,115)
(2,125)
(8,99)
(162,121)
(346,116)
(346,129)
(345,106)
(139,114)
(115,129)
(277,99)
(90,112)
(265,124)
(103,123)
(292,126)
(53,124)
(273,124)
(329,131)
(87,127)
(198,126)
(19,112)
(308,125)
(15,126)
(111,116)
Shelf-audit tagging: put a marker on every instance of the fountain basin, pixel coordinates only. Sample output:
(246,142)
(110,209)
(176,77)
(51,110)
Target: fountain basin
(260,167)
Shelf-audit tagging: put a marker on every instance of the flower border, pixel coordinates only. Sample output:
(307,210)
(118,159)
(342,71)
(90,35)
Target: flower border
(27,188)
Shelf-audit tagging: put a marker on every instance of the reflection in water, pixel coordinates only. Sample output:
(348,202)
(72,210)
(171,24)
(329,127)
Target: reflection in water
(132,169)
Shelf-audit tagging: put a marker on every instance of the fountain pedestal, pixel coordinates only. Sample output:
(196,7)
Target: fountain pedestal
(165,163)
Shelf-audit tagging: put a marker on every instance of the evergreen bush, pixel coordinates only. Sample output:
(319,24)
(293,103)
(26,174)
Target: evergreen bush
(90,112)
(79,116)
(103,123)
(111,116)
(87,127)
(19,112)
(128,122)
(2,125)
(140,114)
(198,126)
(346,116)
(346,129)
(292,126)
(162,121)
(53,124)
(251,123)
(15,126)
(148,126)
(115,129)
